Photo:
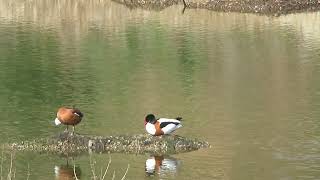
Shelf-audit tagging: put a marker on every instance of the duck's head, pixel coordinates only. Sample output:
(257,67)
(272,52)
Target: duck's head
(150,118)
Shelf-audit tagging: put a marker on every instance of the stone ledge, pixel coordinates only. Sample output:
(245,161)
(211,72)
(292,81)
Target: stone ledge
(65,143)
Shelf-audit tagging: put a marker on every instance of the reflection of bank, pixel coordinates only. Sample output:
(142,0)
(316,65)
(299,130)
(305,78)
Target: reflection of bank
(66,172)
(161,165)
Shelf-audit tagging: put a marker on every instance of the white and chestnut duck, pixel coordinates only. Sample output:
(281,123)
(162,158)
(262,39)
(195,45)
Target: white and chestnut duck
(161,126)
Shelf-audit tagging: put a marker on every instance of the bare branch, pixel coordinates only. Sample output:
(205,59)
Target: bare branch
(74,171)
(124,176)
(28,173)
(105,172)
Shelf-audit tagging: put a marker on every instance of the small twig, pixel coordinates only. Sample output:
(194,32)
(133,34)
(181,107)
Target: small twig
(105,172)
(14,172)
(10,169)
(100,177)
(28,175)
(184,8)
(74,171)
(92,169)
(184,3)
(114,175)
(1,162)
(124,176)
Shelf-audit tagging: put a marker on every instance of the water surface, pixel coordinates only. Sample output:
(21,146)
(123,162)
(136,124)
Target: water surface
(247,84)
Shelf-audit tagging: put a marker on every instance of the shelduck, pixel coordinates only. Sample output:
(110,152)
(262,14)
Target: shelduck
(68,116)
(161,126)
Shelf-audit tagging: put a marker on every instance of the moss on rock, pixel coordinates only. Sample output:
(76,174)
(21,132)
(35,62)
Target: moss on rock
(65,143)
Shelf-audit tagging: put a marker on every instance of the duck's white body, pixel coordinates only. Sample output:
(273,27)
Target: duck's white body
(163,126)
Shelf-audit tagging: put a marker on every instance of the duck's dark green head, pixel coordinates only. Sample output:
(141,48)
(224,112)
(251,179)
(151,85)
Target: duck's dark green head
(150,118)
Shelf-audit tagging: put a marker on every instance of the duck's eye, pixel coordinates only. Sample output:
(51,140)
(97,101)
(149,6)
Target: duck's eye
(76,114)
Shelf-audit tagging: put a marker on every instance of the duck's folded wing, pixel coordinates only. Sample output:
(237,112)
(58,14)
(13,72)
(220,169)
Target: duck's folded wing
(165,124)
(161,120)
(169,127)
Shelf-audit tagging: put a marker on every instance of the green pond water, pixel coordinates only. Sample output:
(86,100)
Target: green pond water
(247,84)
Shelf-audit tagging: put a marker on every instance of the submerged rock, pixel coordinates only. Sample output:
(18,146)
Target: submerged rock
(65,143)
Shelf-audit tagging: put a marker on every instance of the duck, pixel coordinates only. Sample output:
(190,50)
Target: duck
(161,126)
(68,116)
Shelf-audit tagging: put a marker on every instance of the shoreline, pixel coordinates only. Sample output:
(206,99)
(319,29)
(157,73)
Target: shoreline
(260,7)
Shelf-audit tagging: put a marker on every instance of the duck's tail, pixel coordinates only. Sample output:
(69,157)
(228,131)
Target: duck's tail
(57,122)
(179,118)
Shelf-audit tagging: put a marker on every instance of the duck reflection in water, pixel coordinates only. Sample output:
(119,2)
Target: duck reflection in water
(161,165)
(66,172)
